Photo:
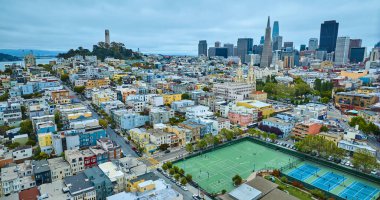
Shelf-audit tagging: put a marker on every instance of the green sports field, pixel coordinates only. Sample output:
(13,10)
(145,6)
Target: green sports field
(214,170)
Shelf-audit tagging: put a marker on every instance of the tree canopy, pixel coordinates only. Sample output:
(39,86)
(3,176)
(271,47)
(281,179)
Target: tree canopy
(102,50)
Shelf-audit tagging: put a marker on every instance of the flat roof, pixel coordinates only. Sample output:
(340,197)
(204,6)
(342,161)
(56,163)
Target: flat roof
(245,192)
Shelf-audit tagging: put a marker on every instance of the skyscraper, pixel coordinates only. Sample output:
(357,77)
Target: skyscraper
(217,44)
(328,35)
(288,45)
(354,43)
(230,48)
(276,30)
(244,45)
(277,43)
(202,48)
(341,50)
(302,47)
(357,54)
(262,40)
(313,44)
(266,57)
(107,36)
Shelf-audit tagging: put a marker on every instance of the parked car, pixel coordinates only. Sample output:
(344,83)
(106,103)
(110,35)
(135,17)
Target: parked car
(184,188)
(167,151)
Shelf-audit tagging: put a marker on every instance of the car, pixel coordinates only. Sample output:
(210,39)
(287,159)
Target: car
(159,169)
(374,172)
(184,188)
(196,197)
(167,151)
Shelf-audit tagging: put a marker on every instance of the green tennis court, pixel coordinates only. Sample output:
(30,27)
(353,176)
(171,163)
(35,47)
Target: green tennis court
(214,170)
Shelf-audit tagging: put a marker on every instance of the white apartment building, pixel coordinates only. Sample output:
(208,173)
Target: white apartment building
(232,91)
(59,168)
(76,160)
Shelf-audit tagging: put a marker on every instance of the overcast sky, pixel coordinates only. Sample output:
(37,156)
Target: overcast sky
(176,26)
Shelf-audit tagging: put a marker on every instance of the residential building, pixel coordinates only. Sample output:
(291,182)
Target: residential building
(89,158)
(232,91)
(353,146)
(354,101)
(115,175)
(241,119)
(310,127)
(259,96)
(127,121)
(332,136)
(169,98)
(113,149)
(22,153)
(369,116)
(311,111)
(159,115)
(76,160)
(59,168)
(41,171)
(149,189)
(177,105)
(282,125)
(265,108)
(80,187)
(102,184)
(198,111)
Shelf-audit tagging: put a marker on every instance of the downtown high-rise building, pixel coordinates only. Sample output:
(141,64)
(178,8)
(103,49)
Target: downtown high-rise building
(354,43)
(288,45)
(357,54)
(202,48)
(262,40)
(107,37)
(266,57)
(328,36)
(217,44)
(244,47)
(230,49)
(313,44)
(341,50)
(276,30)
(277,43)
(302,47)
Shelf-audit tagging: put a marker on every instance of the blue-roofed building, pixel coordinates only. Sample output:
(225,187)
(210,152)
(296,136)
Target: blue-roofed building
(127,121)
(26,89)
(103,185)
(46,127)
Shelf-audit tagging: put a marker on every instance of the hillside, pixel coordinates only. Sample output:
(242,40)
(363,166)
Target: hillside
(8,58)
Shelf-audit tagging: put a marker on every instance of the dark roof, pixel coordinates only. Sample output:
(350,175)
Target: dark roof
(78,182)
(29,194)
(147,176)
(278,194)
(40,166)
(22,147)
(97,176)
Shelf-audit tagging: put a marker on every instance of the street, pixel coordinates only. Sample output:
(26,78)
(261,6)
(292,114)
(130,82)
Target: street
(127,150)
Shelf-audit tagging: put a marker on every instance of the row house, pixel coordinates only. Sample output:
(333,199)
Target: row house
(159,115)
(126,120)
(59,168)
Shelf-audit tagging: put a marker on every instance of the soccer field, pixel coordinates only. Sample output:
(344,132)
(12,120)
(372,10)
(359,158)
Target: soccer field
(214,170)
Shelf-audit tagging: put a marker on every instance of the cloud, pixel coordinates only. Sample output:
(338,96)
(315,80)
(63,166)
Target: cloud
(171,26)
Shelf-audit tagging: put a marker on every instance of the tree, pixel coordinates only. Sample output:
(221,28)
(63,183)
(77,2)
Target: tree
(26,127)
(206,89)
(189,147)
(163,147)
(4,97)
(183,181)
(31,142)
(216,140)
(176,177)
(169,164)
(103,123)
(64,77)
(324,129)
(165,167)
(201,144)
(176,169)
(237,180)
(79,89)
(324,100)
(171,171)
(273,136)
(13,145)
(189,177)
(23,113)
(185,96)
(363,159)
(120,81)
(181,171)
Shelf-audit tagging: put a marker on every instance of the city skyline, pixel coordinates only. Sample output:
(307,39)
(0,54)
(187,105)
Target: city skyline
(175,29)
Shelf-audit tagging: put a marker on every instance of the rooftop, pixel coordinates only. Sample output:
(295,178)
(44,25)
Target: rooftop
(40,166)
(29,194)
(111,170)
(245,192)
(78,183)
